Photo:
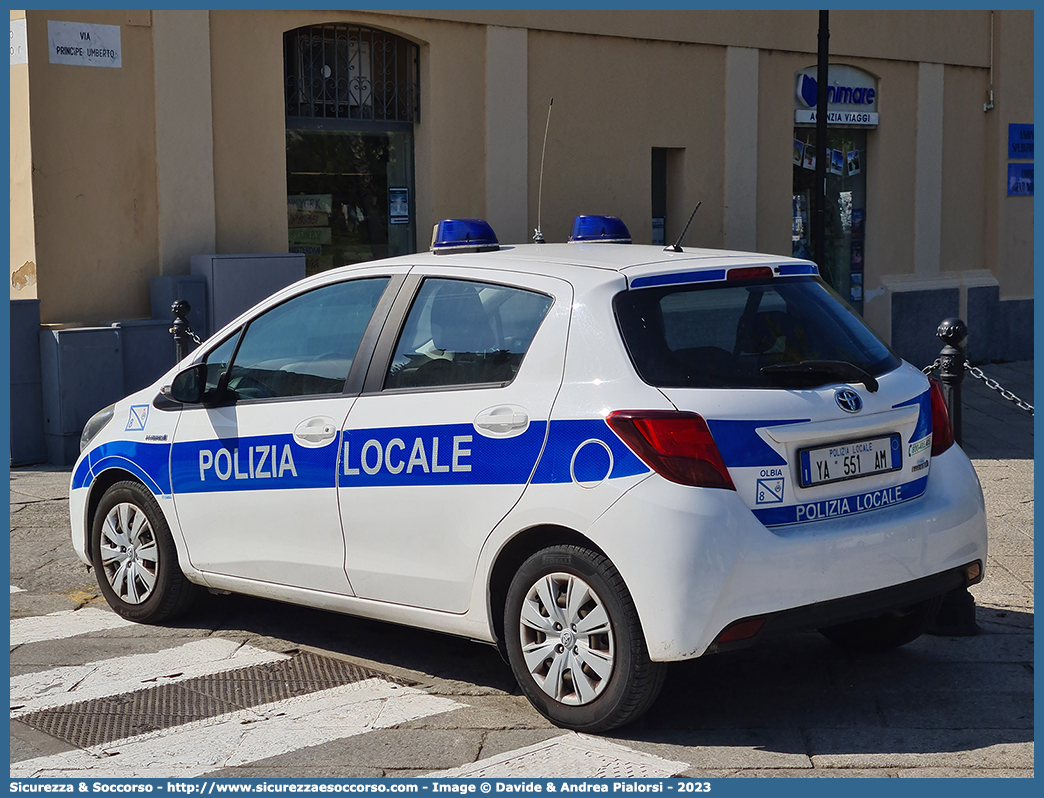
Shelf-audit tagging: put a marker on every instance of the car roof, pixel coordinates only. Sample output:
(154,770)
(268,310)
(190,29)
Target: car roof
(631,260)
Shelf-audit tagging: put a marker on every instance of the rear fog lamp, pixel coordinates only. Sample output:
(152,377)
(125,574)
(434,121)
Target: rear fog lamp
(740,630)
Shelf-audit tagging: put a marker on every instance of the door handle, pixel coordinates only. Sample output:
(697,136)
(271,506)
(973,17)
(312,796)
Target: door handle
(502,421)
(315,432)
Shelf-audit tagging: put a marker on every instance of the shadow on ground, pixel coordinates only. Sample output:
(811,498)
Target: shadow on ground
(937,694)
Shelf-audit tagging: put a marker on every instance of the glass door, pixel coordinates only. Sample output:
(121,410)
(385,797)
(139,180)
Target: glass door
(349,195)
(845,212)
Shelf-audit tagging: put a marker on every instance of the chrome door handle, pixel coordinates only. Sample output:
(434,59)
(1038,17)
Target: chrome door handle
(315,432)
(502,421)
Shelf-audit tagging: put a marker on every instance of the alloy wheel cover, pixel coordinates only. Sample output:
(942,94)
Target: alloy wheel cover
(567,639)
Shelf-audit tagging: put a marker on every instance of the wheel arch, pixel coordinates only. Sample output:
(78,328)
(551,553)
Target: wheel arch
(511,556)
(105,480)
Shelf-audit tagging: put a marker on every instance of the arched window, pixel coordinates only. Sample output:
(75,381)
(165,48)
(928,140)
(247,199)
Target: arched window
(352,98)
(350,72)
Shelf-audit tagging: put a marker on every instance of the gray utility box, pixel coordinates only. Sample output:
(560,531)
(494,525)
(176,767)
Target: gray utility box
(236,283)
(82,371)
(27,437)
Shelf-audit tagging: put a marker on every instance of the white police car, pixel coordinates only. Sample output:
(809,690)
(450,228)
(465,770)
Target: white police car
(601,457)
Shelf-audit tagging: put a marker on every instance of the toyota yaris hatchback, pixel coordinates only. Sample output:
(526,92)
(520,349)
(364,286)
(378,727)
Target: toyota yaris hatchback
(601,457)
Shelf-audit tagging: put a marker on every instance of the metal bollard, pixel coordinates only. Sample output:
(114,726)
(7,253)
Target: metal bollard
(180,329)
(956,616)
(953,333)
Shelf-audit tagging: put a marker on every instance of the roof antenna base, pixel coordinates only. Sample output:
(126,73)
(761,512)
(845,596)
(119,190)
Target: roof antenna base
(676,246)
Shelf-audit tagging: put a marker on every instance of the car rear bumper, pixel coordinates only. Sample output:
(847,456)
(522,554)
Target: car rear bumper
(747,631)
(697,560)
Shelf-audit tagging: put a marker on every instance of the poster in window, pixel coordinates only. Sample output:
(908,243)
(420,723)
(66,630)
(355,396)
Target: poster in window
(320,203)
(398,206)
(858,215)
(799,152)
(853,162)
(810,157)
(837,162)
(857,258)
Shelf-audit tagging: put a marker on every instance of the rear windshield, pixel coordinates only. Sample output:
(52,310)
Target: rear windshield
(724,335)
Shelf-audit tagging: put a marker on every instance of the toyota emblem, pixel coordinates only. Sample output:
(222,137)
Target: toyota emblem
(848,400)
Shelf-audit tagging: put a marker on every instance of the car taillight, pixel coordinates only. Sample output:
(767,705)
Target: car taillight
(942,430)
(676,445)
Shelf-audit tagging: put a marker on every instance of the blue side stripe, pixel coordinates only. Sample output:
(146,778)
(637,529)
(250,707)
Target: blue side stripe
(677,278)
(566,439)
(741,446)
(841,506)
(924,415)
(263,462)
(446,454)
(147,461)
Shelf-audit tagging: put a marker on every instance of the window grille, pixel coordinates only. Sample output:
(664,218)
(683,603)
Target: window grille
(349,72)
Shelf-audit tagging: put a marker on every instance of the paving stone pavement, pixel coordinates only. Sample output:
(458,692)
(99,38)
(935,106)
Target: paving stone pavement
(792,707)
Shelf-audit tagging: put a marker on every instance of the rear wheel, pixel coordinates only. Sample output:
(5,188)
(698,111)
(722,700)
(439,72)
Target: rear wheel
(575,643)
(891,630)
(134,557)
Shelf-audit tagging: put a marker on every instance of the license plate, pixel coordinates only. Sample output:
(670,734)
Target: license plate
(851,460)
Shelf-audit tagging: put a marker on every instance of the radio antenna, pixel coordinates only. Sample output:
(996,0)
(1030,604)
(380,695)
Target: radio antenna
(538,237)
(676,246)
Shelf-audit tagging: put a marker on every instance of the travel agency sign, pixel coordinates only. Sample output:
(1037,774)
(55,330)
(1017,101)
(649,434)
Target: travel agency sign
(851,97)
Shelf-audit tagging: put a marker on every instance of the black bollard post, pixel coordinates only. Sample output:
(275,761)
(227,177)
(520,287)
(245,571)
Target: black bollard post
(956,616)
(180,329)
(953,333)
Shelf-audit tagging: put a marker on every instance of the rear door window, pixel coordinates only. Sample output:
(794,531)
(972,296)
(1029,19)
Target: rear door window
(461,333)
(730,335)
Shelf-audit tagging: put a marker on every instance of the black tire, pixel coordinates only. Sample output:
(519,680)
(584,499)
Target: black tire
(630,682)
(885,632)
(151,587)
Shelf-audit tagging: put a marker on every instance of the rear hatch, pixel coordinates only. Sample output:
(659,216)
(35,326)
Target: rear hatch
(814,417)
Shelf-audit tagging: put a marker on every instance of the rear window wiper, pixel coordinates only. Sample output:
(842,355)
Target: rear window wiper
(836,368)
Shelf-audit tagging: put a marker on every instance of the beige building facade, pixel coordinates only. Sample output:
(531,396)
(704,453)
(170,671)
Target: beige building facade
(120,173)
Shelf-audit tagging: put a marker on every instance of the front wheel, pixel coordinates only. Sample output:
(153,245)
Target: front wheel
(575,643)
(134,557)
(888,631)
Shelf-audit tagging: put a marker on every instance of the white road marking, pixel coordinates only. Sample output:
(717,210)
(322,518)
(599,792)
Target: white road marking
(71,683)
(67,623)
(569,756)
(17,589)
(247,736)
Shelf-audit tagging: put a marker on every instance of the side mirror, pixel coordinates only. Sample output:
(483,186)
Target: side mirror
(189,385)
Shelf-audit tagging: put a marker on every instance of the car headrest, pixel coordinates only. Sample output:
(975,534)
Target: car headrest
(458,320)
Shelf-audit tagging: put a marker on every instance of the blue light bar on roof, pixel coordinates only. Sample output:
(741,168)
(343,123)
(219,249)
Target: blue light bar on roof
(601,229)
(463,235)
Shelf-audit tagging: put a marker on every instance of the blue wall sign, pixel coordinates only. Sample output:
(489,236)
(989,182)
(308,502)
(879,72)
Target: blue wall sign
(1020,142)
(1020,180)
